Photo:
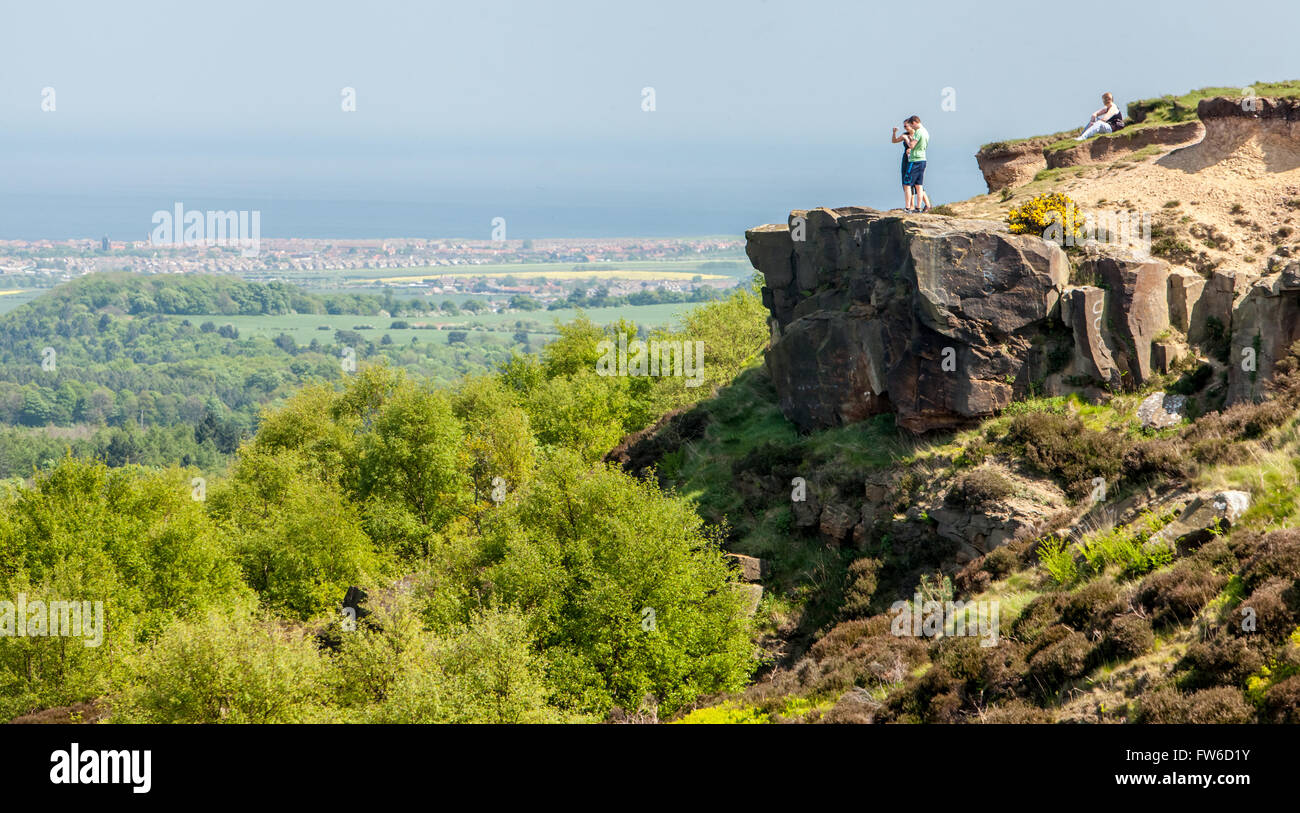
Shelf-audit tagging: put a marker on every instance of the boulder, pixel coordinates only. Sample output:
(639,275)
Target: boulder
(1206,515)
(1083,310)
(837,521)
(752,569)
(1220,297)
(1160,411)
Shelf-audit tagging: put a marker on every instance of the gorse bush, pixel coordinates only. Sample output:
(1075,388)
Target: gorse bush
(1040,212)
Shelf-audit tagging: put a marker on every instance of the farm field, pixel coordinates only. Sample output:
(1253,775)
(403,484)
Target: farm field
(305,327)
(10,299)
(638,270)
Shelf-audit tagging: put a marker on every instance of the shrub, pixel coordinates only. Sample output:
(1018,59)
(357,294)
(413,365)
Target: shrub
(1163,458)
(1222,661)
(1084,608)
(1176,595)
(862,582)
(585,552)
(1039,615)
(1276,609)
(1058,559)
(1016,712)
(1128,637)
(1000,562)
(1040,212)
(1282,701)
(855,707)
(225,668)
(1064,659)
(1206,707)
(979,488)
(1061,446)
(1276,554)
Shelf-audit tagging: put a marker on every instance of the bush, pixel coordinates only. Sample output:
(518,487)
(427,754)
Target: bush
(1085,608)
(225,668)
(586,552)
(1222,661)
(1058,559)
(1276,608)
(1040,212)
(1176,595)
(1128,637)
(1066,658)
(1282,701)
(979,488)
(1275,555)
(862,582)
(482,672)
(1060,446)
(1001,562)
(1217,706)
(1016,712)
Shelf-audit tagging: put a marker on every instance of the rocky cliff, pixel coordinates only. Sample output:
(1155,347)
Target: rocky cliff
(943,321)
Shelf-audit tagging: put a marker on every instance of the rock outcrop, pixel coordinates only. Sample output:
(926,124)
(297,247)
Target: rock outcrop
(930,317)
(1005,165)
(943,321)
(1268,126)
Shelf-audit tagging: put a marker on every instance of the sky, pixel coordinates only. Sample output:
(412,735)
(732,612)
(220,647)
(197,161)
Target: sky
(534,111)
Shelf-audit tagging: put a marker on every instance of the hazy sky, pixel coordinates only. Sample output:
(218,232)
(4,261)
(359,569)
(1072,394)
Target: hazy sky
(531,107)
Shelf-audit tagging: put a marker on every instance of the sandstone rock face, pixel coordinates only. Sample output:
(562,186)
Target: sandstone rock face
(943,321)
(1083,310)
(1224,291)
(1264,325)
(1137,306)
(930,317)
(1010,165)
(1185,289)
(1272,124)
(1125,142)
(752,569)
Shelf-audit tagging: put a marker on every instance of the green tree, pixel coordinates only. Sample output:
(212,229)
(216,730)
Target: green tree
(626,593)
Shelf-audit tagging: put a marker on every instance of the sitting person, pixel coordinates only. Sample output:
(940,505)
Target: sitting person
(1106,120)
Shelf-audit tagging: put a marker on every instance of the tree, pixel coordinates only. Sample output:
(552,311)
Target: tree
(626,593)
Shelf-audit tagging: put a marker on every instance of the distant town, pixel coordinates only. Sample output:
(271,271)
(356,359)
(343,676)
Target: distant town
(64,260)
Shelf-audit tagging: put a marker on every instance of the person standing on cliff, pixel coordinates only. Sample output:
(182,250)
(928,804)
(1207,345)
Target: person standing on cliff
(920,139)
(906,140)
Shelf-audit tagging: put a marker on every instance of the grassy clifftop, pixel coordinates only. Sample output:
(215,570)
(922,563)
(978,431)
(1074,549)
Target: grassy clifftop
(1152,112)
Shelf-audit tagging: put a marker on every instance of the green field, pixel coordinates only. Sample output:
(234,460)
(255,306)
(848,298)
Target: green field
(727,267)
(10,299)
(305,327)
